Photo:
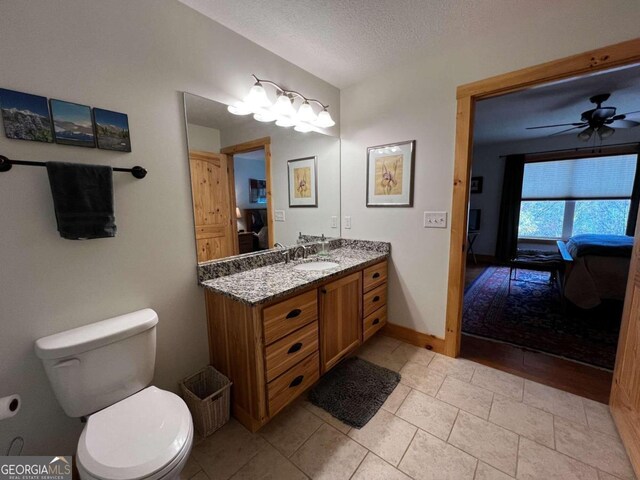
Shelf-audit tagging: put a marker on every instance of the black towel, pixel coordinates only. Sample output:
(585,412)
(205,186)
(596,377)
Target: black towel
(83,200)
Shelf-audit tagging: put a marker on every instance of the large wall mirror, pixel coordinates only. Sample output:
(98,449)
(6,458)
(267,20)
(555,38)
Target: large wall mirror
(255,184)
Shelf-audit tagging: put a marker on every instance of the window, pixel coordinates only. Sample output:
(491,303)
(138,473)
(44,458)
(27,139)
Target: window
(561,198)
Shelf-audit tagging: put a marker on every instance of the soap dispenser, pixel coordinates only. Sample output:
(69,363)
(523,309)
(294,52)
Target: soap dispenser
(324,246)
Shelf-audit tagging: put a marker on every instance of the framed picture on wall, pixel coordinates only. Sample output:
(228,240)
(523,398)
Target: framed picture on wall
(112,130)
(476,184)
(72,124)
(390,174)
(257,191)
(303,182)
(25,116)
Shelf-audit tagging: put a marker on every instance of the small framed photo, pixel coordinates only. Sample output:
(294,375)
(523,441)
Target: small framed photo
(25,116)
(390,174)
(72,124)
(476,184)
(112,130)
(303,182)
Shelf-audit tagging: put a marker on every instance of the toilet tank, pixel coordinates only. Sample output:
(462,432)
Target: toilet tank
(97,365)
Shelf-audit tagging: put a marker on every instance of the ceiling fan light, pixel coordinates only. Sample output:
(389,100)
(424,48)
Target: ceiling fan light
(324,119)
(606,132)
(257,97)
(239,108)
(585,135)
(306,113)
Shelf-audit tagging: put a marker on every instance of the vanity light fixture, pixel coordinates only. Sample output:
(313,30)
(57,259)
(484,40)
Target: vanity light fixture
(283,111)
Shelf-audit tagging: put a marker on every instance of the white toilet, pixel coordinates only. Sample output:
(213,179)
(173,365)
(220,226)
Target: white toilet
(102,371)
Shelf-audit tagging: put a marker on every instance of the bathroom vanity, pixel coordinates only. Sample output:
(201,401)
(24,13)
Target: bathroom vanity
(276,329)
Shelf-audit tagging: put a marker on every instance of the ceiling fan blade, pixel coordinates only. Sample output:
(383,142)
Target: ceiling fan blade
(623,123)
(627,113)
(565,131)
(559,125)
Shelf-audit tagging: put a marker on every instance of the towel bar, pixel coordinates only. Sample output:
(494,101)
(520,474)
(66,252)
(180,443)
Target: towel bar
(6,164)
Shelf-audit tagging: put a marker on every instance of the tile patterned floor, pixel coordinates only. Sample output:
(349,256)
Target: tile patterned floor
(447,419)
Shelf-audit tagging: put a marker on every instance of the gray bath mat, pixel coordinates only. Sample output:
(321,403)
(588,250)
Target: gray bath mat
(354,391)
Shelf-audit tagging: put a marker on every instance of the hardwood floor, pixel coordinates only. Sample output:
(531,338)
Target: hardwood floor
(583,380)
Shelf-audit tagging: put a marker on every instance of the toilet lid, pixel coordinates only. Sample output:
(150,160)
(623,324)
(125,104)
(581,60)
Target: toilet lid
(135,437)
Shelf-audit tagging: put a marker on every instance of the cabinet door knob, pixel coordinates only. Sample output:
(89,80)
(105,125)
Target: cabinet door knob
(376,298)
(296,381)
(376,275)
(294,313)
(323,290)
(295,347)
(376,321)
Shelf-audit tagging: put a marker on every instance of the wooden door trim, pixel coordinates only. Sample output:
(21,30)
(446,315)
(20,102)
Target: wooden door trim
(606,58)
(251,146)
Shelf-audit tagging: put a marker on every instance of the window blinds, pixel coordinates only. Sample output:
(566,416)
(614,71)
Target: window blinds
(582,178)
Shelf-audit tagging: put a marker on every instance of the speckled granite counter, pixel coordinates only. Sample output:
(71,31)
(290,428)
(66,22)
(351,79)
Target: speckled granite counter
(268,283)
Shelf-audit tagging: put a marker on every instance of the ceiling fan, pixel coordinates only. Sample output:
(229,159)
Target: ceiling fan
(600,120)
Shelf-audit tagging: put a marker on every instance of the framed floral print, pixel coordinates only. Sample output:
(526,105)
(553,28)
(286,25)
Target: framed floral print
(303,182)
(390,174)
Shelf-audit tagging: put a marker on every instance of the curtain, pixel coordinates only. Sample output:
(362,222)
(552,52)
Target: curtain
(635,201)
(507,241)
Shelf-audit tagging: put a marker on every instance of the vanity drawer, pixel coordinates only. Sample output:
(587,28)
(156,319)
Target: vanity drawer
(374,322)
(286,352)
(374,299)
(292,383)
(374,275)
(285,317)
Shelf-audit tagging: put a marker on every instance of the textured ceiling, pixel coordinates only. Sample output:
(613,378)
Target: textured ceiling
(505,118)
(345,41)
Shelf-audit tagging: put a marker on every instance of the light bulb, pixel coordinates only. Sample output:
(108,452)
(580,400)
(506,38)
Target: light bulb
(265,116)
(302,127)
(284,106)
(324,119)
(606,132)
(239,108)
(285,122)
(257,97)
(306,113)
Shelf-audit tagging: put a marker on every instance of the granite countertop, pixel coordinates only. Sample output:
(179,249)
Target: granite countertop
(265,284)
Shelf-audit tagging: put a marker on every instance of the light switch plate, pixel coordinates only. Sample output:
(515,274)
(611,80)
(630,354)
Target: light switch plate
(347,222)
(279,215)
(435,219)
(334,222)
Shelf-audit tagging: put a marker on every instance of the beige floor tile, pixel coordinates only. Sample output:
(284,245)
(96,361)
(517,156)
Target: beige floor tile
(454,367)
(325,416)
(606,476)
(381,356)
(536,462)
(465,396)
(374,468)
(190,469)
(599,417)
(227,451)
(411,353)
(421,378)
(599,450)
(385,435)
(393,401)
(291,428)
(269,464)
(384,343)
(329,455)
(487,472)
(523,419)
(429,414)
(429,458)
(488,442)
(552,400)
(498,382)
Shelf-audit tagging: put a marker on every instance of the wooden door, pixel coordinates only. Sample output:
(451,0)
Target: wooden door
(213,205)
(340,319)
(625,391)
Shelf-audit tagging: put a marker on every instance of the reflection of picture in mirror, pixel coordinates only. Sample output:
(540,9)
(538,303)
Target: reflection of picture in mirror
(257,191)
(302,177)
(389,175)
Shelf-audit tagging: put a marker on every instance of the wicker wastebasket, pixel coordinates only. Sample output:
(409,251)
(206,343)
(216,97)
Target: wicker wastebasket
(207,394)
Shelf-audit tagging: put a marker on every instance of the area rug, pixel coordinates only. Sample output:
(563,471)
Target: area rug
(354,391)
(532,316)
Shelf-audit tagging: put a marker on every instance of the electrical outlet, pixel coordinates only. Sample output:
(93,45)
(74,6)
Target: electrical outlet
(279,215)
(435,219)
(347,222)
(334,222)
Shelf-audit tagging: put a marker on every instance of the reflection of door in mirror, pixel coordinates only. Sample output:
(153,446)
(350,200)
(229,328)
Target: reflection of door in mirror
(213,205)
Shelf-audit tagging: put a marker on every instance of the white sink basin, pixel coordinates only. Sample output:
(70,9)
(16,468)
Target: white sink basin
(315,266)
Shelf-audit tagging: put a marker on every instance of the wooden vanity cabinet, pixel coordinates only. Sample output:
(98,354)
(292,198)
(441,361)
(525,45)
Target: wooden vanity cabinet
(274,352)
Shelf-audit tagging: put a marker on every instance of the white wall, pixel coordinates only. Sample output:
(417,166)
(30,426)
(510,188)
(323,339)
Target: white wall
(155,51)
(417,100)
(203,138)
(488,162)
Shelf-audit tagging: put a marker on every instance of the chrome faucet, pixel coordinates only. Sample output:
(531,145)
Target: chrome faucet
(297,249)
(284,250)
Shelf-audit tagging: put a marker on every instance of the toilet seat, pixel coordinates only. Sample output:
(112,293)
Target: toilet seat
(144,436)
